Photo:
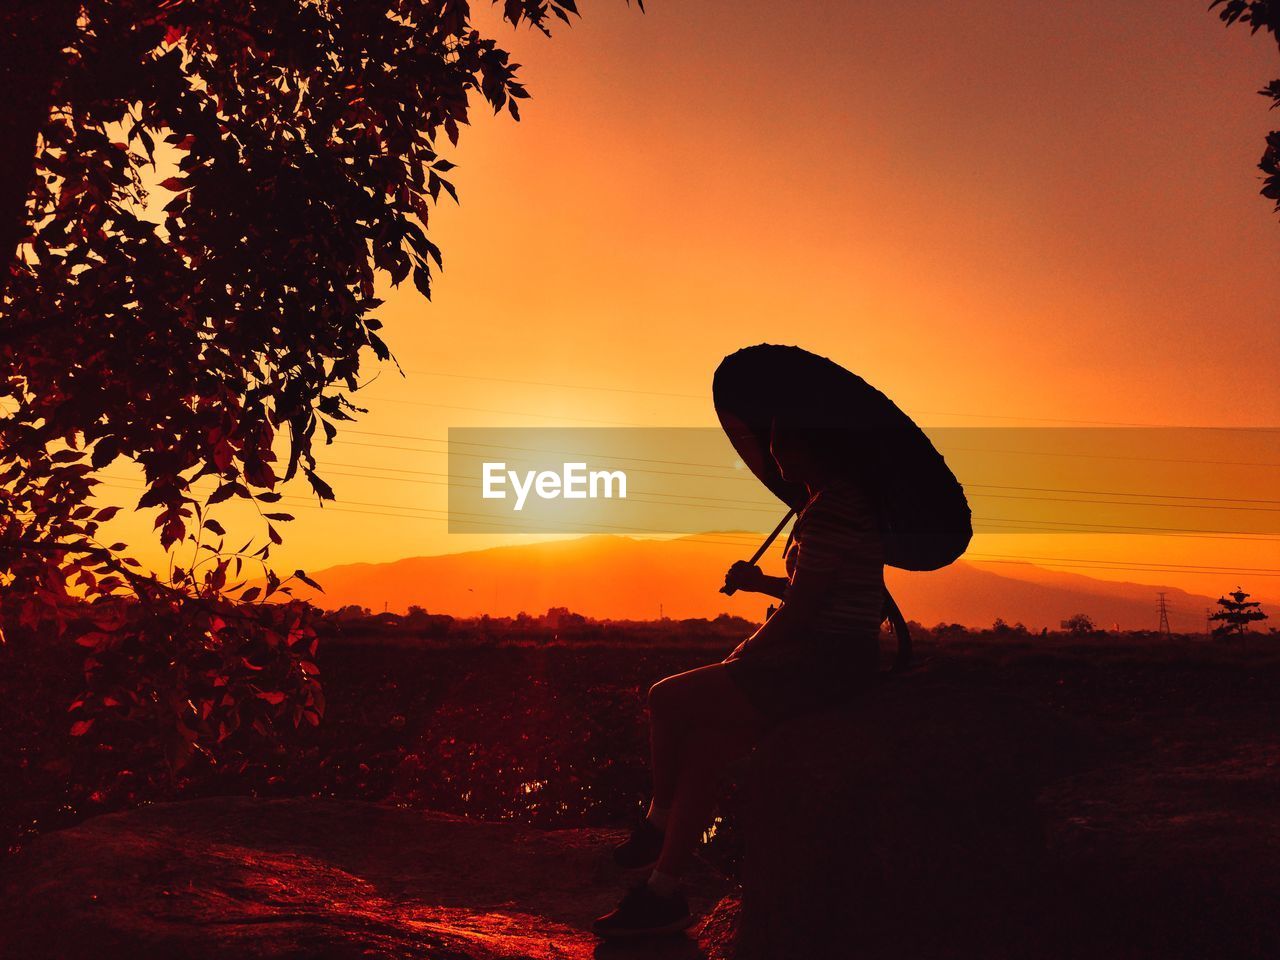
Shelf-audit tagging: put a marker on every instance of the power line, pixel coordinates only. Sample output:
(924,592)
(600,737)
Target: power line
(704,398)
(1127,568)
(667,499)
(743,538)
(441,453)
(738,474)
(770,505)
(484,519)
(516,413)
(967,486)
(1104,456)
(1074,527)
(1027,453)
(560,386)
(1172,567)
(1088,527)
(1123,503)
(1040,524)
(1117,493)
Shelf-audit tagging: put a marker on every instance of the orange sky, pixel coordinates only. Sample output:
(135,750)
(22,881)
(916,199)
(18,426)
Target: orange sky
(987,214)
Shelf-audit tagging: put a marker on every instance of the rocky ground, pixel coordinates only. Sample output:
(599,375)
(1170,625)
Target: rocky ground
(1147,777)
(236,877)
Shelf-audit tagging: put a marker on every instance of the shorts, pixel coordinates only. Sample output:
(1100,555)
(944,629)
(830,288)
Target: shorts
(789,681)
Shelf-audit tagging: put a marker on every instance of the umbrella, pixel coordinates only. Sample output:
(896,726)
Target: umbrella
(924,517)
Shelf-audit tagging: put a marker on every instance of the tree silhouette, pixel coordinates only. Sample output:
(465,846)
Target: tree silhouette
(1079,624)
(1237,614)
(210,332)
(1260,15)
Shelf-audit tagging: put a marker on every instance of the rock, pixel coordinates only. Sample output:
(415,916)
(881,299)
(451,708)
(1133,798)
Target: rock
(1174,860)
(903,825)
(311,878)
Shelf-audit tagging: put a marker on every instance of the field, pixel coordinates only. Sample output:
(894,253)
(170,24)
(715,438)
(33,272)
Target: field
(551,732)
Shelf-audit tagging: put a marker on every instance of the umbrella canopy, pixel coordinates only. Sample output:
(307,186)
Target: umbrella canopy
(924,516)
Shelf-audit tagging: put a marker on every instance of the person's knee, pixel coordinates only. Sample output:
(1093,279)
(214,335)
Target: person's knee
(669,698)
(660,696)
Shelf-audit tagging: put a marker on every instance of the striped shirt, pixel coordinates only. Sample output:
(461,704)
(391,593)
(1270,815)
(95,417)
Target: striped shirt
(837,533)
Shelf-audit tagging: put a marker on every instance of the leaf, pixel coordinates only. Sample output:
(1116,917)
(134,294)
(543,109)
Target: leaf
(104,451)
(224,492)
(307,580)
(81,727)
(173,531)
(422,280)
(250,595)
(322,489)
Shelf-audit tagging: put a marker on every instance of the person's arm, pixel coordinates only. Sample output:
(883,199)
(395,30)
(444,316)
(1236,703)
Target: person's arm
(803,596)
(749,578)
(839,533)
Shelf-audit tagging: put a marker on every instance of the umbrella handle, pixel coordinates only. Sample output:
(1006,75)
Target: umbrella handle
(755,557)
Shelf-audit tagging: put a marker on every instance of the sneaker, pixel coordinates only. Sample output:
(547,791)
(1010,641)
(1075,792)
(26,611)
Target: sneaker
(644,913)
(641,849)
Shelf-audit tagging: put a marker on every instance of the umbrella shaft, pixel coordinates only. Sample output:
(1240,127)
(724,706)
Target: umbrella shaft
(755,557)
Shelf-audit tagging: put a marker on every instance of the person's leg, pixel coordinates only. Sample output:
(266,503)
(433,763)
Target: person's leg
(701,723)
(704,705)
(666,752)
(644,844)
(711,723)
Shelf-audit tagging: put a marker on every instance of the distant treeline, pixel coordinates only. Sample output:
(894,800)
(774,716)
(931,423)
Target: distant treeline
(559,625)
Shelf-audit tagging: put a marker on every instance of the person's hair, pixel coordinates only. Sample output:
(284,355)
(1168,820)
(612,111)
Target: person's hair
(820,441)
(829,447)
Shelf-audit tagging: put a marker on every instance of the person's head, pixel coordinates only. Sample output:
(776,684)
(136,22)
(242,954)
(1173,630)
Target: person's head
(804,452)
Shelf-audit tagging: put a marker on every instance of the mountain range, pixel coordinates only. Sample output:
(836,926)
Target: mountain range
(624,578)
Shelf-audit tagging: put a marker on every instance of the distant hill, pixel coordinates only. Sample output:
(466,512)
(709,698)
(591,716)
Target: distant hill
(621,577)
(972,594)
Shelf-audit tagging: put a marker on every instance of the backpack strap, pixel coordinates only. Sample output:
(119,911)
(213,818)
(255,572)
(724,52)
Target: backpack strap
(898,624)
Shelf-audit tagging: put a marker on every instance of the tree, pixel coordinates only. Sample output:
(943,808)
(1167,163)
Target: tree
(212,332)
(1001,629)
(1079,625)
(1237,613)
(1260,15)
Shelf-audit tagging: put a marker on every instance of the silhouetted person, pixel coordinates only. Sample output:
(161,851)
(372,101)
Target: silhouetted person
(820,647)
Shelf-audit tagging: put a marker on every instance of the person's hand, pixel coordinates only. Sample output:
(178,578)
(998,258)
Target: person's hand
(744,576)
